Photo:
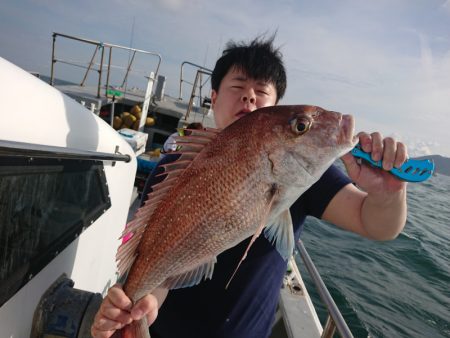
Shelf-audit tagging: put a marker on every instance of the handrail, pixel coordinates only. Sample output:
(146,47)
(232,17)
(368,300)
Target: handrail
(204,69)
(102,46)
(22,149)
(337,321)
(198,77)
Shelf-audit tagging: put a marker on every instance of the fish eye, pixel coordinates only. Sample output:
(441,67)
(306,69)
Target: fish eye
(300,125)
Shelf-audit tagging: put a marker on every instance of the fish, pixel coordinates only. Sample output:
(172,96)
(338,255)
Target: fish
(228,185)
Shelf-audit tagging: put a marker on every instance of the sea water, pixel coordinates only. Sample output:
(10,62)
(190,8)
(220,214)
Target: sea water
(398,288)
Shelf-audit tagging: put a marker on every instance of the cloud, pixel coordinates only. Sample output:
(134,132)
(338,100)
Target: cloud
(380,61)
(387,88)
(420,147)
(446,6)
(173,5)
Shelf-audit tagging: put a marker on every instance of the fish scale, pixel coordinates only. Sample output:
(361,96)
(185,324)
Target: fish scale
(242,179)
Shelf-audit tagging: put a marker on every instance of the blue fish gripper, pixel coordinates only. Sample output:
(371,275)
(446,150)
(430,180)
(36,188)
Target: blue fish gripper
(412,170)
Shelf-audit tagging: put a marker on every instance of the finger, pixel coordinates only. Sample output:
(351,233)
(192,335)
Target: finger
(401,155)
(144,306)
(117,297)
(111,316)
(104,327)
(365,141)
(101,334)
(351,165)
(377,146)
(98,333)
(103,324)
(113,313)
(151,316)
(116,306)
(389,153)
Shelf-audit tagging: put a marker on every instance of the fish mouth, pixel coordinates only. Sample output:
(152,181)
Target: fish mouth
(347,124)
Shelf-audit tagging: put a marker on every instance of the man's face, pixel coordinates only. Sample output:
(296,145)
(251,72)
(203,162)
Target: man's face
(239,95)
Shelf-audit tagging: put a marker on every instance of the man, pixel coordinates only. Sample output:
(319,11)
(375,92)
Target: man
(245,78)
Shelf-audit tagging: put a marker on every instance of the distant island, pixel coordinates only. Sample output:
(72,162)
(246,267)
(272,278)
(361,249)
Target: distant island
(442,164)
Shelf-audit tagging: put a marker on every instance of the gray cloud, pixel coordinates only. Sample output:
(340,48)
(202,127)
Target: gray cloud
(381,60)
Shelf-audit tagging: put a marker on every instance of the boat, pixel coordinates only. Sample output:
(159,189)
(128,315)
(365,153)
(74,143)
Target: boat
(69,182)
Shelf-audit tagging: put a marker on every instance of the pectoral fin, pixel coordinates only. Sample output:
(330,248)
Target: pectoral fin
(254,237)
(281,233)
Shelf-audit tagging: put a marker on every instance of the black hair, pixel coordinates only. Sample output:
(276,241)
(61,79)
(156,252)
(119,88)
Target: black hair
(259,60)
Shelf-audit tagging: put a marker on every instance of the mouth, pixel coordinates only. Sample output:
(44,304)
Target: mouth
(242,112)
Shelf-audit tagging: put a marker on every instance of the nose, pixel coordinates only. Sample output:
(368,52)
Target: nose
(249,97)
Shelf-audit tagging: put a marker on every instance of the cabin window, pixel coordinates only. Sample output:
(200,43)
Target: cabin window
(44,206)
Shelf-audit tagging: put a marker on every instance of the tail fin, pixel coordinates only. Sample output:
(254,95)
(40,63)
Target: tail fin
(137,329)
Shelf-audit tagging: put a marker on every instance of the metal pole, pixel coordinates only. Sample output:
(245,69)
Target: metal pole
(128,69)
(107,74)
(333,310)
(100,71)
(205,70)
(53,61)
(191,100)
(93,42)
(329,329)
(200,90)
(180,95)
(111,113)
(22,149)
(89,67)
(97,43)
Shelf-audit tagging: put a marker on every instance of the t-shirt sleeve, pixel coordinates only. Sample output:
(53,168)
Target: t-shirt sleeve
(317,198)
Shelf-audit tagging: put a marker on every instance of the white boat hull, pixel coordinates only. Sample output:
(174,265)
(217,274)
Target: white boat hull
(36,113)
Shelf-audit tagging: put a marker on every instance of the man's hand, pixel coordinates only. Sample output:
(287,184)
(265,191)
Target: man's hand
(373,180)
(377,209)
(117,310)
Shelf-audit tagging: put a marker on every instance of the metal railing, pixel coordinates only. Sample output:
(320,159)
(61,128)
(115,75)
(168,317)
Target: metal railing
(29,150)
(203,70)
(100,46)
(334,319)
(197,84)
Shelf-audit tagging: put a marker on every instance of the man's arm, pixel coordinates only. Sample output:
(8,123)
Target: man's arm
(369,216)
(378,209)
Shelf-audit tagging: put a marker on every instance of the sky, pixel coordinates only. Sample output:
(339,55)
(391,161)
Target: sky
(387,62)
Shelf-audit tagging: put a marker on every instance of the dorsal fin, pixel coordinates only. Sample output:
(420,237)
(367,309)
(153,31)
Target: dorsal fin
(195,139)
(190,147)
(171,173)
(165,183)
(207,132)
(178,164)
(189,144)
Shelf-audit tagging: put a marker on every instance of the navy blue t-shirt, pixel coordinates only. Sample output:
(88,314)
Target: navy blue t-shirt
(247,308)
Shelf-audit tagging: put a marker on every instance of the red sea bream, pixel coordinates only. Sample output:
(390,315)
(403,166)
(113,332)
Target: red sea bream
(226,186)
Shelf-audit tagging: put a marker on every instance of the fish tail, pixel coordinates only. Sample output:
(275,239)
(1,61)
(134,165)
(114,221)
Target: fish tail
(137,329)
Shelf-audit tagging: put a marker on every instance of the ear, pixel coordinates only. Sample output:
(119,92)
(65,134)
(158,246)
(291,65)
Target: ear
(213,97)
